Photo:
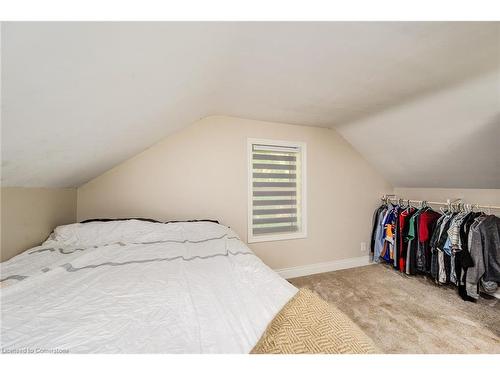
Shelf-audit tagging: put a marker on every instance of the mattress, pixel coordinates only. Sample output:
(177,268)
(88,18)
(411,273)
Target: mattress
(138,287)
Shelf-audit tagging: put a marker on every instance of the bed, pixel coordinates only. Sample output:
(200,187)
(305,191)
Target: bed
(133,286)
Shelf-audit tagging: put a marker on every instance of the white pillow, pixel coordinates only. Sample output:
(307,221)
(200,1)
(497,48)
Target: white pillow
(136,231)
(111,232)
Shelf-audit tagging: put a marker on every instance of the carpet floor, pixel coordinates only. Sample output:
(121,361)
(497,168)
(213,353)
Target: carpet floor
(409,314)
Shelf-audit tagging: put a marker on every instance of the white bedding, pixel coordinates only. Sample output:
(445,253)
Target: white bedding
(138,287)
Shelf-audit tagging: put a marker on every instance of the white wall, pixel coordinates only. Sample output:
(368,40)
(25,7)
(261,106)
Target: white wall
(478,196)
(201,172)
(30,214)
(80,97)
(448,138)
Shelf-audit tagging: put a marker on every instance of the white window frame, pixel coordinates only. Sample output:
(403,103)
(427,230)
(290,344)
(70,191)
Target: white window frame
(303,163)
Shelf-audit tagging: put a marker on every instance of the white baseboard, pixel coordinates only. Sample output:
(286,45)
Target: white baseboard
(310,269)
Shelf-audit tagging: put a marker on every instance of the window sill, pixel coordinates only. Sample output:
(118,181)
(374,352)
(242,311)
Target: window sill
(276,237)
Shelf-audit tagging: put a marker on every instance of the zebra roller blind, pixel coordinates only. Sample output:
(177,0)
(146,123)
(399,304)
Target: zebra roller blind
(276,191)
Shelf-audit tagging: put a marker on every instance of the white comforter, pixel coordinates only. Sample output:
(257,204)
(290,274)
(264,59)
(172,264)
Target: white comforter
(138,287)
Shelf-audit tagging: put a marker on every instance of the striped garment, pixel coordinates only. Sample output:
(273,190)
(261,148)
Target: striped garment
(454,231)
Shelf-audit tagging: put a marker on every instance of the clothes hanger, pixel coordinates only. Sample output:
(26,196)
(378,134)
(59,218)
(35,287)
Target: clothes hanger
(401,203)
(408,206)
(423,205)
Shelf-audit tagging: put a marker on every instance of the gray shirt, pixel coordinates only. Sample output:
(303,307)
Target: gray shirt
(484,247)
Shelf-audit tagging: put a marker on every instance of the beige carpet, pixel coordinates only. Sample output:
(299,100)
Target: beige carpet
(404,314)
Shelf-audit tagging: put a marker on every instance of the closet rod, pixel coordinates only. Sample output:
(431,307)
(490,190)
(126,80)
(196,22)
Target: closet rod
(391,197)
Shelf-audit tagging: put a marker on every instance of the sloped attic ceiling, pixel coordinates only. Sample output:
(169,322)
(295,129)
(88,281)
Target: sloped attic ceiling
(79,98)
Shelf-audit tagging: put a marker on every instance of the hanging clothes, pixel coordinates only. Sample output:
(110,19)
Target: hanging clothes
(412,247)
(375,225)
(404,224)
(484,245)
(463,258)
(395,259)
(426,224)
(387,253)
(460,248)
(433,246)
(378,231)
(444,259)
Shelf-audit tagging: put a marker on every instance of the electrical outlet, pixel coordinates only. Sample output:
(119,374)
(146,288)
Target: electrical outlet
(363,247)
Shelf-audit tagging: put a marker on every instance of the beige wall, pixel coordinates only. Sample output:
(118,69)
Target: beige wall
(30,214)
(201,172)
(479,196)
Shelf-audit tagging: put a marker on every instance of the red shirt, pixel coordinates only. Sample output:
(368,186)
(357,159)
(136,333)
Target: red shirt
(425,221)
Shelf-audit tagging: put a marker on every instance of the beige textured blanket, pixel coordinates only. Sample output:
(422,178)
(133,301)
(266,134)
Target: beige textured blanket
(308,324)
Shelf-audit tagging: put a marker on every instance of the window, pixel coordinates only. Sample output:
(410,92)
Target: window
(277,190)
